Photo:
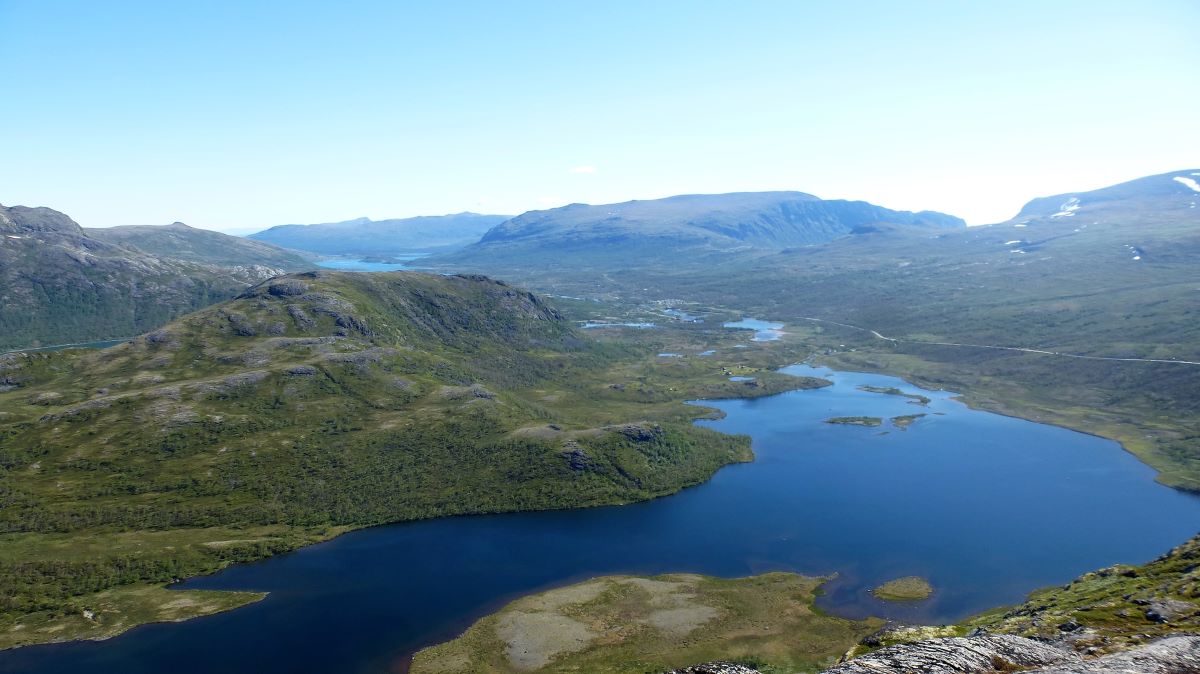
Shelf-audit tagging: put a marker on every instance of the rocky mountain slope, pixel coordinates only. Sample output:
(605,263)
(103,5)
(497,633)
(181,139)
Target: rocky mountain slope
(363,236)
(181,242)
(60,284)
(699,224)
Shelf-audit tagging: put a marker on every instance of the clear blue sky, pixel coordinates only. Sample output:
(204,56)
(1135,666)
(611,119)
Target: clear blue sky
(242,115)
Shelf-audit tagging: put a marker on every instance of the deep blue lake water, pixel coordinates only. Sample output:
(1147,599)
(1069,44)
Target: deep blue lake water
(987,507)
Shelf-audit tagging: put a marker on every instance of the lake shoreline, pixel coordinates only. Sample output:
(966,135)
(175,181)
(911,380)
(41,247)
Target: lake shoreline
(721,475)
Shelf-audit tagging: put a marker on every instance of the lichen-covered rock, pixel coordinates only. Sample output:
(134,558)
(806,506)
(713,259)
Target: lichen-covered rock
(991,654)
(1173,655)
(959,655)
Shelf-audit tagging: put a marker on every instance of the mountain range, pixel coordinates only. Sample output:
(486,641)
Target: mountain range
(305,404)
(698,224)
(363,236)
(1100,275)
(203,246)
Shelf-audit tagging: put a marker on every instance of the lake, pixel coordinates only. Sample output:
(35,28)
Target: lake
(347,264)
(986,507)
(764,331)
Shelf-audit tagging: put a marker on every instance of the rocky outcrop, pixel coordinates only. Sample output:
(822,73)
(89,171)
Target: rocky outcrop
(958,655)
(997,654)
(716,668)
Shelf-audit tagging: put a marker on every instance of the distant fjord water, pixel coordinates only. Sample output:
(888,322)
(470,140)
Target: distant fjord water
(986,507)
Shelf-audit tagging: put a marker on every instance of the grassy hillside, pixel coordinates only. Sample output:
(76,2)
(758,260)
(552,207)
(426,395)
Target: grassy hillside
(314,403)
(1113,608)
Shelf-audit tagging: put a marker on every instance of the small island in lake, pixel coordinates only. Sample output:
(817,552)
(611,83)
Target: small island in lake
(903,422)
(893,391)
(909,588)
(856,421)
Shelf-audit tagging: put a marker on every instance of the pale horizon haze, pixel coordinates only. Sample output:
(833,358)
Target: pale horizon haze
(241,116)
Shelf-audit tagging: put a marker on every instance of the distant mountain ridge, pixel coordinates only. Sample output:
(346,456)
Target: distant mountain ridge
(182,242)
(1175,192)
(363,236)
(697,223)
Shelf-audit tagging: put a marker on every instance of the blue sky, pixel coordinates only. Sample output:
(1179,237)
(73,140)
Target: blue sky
(239,116)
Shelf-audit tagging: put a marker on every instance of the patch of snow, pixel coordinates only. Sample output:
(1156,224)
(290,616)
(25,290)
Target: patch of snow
(1192,184)
(15,237)
(1009,243)
(1017,250)
(1021,225)
(1137,257)
(1068,208)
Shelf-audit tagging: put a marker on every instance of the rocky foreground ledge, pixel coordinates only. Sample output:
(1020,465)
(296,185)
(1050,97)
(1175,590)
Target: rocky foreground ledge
(995,654)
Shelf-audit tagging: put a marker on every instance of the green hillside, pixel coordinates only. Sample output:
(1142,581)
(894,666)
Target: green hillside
(314,403)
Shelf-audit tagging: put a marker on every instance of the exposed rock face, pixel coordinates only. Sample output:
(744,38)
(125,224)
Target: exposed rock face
(958,655)
(996,654)
(1173,655)
(25,220)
